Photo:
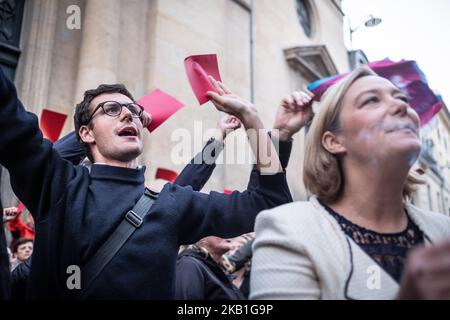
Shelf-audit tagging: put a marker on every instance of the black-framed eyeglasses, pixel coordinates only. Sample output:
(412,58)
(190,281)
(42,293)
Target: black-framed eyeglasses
(114,109)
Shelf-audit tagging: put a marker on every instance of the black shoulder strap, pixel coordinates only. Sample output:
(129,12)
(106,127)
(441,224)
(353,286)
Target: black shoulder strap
(133,219)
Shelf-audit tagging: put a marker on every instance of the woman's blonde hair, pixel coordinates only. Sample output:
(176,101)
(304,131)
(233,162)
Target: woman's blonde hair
(322,171)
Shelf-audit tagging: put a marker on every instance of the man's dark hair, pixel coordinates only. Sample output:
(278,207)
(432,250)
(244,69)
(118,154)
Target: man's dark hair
(16,244)
(83,112)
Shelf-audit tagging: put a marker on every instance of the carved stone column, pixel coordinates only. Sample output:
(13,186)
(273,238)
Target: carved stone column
(100,45)
(34,69)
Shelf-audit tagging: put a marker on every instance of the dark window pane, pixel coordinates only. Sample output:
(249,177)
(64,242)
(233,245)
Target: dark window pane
(304,16)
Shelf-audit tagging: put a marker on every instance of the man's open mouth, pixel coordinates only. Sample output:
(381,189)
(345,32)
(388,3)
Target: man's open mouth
(128,132)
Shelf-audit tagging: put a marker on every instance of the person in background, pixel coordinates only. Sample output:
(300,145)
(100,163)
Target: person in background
(5,277)
(199,275)
(238,263)
(22,250)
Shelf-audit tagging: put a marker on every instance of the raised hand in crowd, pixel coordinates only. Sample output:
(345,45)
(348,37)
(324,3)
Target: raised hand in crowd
(294,112)
(9,214)
(225,125)
(231,103)
(267,161)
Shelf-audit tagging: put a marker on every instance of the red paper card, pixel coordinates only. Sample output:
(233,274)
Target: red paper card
(198,68)
(20,208)
(161,107)
(51,124)
(166,174)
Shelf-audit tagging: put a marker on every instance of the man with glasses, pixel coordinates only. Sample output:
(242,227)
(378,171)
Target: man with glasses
(76,210)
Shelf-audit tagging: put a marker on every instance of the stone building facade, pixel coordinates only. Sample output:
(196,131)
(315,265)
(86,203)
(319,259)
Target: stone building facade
(434,195)
(266,49)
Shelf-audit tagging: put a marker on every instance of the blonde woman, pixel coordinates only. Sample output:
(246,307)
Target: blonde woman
(357,237)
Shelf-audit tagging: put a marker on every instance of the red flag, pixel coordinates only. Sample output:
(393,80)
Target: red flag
(51,124)
(161,107)
(166,174)
(405,75)
(198,68)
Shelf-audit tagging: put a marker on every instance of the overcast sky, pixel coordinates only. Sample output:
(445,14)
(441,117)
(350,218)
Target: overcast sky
(411,29)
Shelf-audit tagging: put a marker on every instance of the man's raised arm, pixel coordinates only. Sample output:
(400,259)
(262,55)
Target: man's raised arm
(37,172)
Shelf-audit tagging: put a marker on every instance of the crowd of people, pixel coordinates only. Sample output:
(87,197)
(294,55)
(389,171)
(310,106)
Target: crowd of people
(357,237)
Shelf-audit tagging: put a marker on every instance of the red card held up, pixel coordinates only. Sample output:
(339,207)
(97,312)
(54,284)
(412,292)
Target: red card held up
(198,68)
(166,174)
(52,124)
(20,207)
(161,107)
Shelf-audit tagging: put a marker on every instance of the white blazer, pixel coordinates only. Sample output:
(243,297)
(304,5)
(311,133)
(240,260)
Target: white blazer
(301,252)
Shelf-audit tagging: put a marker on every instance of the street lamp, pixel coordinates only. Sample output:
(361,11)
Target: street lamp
(370,21)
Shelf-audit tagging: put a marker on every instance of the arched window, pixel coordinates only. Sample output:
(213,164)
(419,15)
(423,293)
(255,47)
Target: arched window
(304,16)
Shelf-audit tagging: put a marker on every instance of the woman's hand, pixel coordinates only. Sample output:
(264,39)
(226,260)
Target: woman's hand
(294,112)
